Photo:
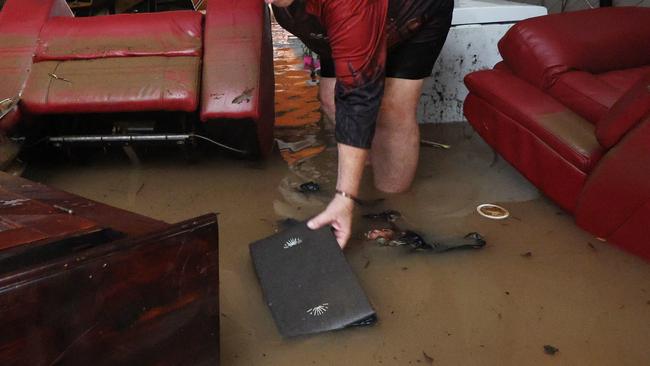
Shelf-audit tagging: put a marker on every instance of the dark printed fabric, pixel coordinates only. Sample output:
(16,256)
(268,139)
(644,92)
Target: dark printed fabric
(357,35)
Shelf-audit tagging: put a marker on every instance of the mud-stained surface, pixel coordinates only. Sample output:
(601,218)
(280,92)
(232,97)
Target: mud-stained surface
(540,281)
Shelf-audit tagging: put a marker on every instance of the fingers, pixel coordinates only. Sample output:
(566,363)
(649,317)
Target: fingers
(340,233)
(339,215)
(319,221)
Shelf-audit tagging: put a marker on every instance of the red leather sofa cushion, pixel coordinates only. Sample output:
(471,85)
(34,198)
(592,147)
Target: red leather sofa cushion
(572,137)
(117,63)
(121,84)
(591,96)
(624,79)
(176,33)
(540,49)
(585,94)
(625,114)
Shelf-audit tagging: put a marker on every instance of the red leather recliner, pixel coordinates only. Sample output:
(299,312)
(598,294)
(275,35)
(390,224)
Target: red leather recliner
(569,107)
(215,71)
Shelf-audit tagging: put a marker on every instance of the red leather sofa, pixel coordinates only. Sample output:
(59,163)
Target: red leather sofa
(213,70)
(569,107)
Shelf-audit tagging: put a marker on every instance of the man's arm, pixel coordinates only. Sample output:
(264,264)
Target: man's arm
(355,30)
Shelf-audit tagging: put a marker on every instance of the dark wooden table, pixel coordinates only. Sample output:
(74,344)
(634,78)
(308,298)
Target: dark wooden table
(83,283)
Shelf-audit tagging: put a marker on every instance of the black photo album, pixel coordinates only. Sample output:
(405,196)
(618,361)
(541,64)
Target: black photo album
(308,284)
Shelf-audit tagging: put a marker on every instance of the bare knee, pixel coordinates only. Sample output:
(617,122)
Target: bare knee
(395,117)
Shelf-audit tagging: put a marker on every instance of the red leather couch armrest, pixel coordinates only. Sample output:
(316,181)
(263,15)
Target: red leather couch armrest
(238,80)
(585,94)
(568,134)
(626,113)
(232,59)
(596,40)
(619,186)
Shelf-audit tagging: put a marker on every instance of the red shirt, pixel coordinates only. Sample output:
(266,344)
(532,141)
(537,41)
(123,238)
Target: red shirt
(356,34)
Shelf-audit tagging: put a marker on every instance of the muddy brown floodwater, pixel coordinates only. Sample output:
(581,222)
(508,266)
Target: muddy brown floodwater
(541,281)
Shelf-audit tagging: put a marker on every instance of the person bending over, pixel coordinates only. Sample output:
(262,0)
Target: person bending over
(374,55)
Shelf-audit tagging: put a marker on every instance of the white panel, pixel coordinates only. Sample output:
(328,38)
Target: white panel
(493,11)
(468,48)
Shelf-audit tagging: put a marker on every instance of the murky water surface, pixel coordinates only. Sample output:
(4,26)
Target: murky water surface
(489,307)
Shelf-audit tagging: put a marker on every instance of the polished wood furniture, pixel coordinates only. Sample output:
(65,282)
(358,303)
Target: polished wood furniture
(83,283)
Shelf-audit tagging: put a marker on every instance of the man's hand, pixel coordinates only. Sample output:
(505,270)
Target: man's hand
(338,214)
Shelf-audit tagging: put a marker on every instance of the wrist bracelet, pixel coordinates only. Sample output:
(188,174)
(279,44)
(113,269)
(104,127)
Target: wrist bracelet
(347,195)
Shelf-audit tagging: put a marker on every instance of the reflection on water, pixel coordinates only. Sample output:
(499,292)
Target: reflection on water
(487,307)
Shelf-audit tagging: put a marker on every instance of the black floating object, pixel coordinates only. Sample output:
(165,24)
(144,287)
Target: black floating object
(309,187)
(386,216)
(288,223)
(417,242)
(308,284)
(550,350)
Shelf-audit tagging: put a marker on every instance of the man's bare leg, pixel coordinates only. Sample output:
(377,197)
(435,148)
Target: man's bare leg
(326,97)
(395,149)
(396,146)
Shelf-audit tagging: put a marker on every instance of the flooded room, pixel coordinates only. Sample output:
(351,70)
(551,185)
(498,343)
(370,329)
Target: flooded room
(325,182)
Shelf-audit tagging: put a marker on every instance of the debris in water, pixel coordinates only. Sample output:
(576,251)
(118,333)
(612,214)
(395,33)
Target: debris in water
(287,223)
(309,187)
(398,237)
(593,247)
(367,264)
(7,105)
(527,254)
(57,77)
(427,358)
(435,144)
(405,268)
(368,203)
(418,243)
(507,292)
(493,212)
(297,146)
(139,189)
(550,350)
(245,96)
(386,234)
(387,216)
